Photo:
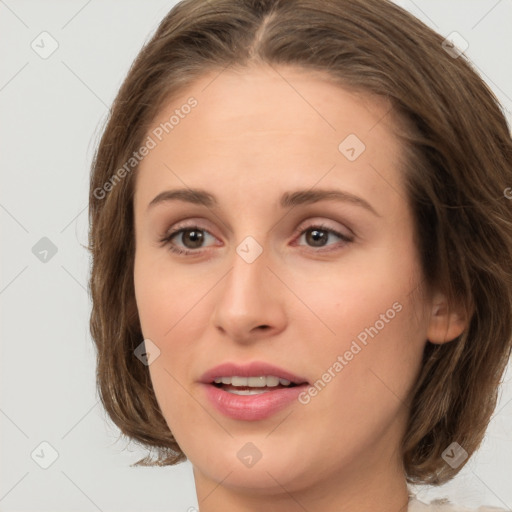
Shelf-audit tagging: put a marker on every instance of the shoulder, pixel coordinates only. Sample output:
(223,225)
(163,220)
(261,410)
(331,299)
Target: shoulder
(445,506)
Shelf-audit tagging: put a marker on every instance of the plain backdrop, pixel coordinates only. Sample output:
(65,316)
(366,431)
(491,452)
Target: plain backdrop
(52,112)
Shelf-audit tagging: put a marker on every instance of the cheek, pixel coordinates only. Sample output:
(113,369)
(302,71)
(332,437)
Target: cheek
(369,326)
(165,297)
(173,312)
(367,288)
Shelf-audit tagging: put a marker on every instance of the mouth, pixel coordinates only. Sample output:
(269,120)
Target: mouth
(252,385)
(253,391)
(252,376)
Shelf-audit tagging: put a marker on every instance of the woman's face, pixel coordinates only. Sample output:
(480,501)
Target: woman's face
(323,288)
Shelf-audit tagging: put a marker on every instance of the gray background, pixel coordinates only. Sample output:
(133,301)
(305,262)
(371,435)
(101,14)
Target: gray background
(52,111)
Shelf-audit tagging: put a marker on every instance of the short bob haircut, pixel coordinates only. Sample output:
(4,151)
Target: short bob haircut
(458,175)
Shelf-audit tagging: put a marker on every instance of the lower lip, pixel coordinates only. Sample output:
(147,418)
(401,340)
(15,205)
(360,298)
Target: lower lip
(252,407)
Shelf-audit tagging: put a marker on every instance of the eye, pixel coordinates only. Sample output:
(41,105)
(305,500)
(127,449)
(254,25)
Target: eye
(318,235)
(194,236)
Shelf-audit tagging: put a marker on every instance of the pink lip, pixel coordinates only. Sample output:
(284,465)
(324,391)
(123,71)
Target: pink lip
(251,407)
(253,369)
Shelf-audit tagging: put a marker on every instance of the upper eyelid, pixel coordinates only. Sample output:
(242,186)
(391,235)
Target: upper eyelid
(303,226)
(309,222)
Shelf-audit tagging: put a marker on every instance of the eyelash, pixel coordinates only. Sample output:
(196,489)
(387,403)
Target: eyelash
(166,240)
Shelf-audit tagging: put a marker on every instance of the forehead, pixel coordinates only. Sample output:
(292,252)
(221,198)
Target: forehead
(267,123)
(263,98)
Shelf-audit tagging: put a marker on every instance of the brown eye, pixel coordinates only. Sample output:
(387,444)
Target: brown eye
(190,237)
(318,236)
(195,236)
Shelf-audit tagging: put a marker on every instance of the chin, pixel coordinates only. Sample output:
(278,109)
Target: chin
(258,465)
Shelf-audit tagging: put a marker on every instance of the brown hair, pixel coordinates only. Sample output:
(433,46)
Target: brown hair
(459,154)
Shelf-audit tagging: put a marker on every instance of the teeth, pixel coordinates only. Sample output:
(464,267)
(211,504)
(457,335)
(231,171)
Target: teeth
(247,391)
(270,381)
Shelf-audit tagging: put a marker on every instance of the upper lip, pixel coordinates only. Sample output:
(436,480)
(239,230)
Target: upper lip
(254,369)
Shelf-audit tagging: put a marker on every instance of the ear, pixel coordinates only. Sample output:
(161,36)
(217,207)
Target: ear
(445,323)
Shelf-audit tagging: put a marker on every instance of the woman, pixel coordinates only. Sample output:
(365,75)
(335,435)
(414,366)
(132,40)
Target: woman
(302,254)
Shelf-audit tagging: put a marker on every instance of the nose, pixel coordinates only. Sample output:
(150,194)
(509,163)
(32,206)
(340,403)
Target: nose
(250,304)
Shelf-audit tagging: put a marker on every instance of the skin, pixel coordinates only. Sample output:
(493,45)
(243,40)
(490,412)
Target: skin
(255,134)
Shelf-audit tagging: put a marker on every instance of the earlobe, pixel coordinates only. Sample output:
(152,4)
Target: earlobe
(445,323)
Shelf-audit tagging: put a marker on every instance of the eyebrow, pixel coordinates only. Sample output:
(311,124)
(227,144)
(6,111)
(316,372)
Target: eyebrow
(288,199)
